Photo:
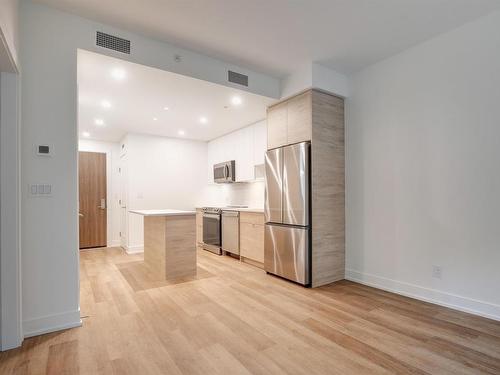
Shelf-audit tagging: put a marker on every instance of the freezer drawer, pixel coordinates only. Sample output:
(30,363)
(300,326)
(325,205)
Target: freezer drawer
(286,252)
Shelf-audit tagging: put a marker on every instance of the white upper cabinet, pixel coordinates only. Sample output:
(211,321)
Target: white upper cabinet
(259,142)
(246,147)
(243,151)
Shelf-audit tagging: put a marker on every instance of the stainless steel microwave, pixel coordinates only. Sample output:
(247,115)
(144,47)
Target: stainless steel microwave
(225,172)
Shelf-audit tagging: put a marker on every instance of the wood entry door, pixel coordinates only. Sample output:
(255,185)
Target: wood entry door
(92,199)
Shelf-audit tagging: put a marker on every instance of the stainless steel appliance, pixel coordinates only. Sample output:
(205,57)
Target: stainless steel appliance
(212,229)
(225,172)
(287,213)
(231,232)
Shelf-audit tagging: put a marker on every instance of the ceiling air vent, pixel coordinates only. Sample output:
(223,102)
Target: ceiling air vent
(237,78)
(113,42)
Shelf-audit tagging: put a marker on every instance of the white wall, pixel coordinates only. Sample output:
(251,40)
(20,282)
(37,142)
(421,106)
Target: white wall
(112,151)
(162,173)
(423,181)
(10,293)
(9,30)
(49,40)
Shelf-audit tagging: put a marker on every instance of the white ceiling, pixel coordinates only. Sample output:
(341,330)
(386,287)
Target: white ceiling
(280,36)
(144,92)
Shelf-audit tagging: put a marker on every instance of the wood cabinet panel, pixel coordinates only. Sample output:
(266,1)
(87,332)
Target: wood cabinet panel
(299,122)
(252,218)
(327,189)
(277,125)
(199,226)
(252,241)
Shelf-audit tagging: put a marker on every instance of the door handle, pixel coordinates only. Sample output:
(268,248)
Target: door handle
(80,214)
(102,206)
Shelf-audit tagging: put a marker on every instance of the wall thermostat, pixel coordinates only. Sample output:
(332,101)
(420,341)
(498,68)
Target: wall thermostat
(43,150)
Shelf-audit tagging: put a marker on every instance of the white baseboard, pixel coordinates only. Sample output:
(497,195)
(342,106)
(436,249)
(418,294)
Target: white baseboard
(134,249)
(469,305)
(114,243)
(52,323)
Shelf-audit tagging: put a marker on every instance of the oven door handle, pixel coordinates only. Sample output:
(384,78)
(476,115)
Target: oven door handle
(212,216)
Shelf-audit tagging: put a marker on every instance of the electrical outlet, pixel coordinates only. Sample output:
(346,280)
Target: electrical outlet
(437,272)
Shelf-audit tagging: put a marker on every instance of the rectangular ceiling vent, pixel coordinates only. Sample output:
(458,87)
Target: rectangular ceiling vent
(113,42)
(237,78)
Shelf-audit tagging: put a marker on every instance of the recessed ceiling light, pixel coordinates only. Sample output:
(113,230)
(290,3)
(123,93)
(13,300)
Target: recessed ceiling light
(155,118)
(118,74)
(105,104)
(99,121)
(181,132)
(166,108)
(203,120)
(86,134)
(236,100)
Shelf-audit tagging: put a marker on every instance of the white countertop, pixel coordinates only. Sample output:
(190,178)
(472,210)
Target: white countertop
(166,212)
(241,209)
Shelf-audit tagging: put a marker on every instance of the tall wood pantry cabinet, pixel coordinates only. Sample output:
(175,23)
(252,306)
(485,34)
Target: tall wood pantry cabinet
(318,117)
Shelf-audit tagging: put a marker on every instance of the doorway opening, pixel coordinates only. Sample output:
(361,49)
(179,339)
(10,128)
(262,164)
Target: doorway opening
(162,133)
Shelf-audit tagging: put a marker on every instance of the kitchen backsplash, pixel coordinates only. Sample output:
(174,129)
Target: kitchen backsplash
(250,194)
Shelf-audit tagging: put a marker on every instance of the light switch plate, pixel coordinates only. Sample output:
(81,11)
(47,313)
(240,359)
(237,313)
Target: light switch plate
(40,190)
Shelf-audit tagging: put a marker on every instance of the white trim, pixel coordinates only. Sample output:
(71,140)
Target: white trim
(134,249)
(114,243)
(52,323)
(469,305)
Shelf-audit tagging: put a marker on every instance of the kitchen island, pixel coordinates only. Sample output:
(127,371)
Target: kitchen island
(169,243)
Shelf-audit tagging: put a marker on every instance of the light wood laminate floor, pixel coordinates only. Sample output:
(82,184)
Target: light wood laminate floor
(235,319)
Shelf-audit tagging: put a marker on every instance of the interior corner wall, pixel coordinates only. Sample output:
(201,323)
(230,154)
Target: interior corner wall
(296,82)
(9,28)
(49,40)
(422,170)
(317,76)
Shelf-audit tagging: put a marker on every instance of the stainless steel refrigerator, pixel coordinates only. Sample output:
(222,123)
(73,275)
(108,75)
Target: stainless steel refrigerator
(287,213)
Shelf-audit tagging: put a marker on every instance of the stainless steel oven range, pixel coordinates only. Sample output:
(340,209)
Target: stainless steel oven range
(212,229)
